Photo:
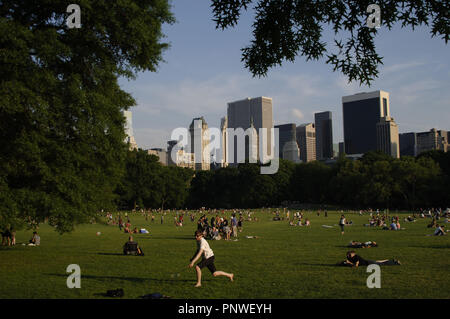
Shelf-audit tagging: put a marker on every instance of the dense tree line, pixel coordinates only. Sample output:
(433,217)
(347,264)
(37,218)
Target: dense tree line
(375,180)
(149,184)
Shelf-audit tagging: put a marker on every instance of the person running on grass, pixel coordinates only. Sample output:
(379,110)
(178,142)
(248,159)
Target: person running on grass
(204,251)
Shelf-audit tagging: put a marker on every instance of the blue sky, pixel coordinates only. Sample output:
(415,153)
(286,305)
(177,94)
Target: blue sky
(203,71)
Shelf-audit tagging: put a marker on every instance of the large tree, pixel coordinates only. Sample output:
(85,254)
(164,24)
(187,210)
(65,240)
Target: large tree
(284,29)
(61,125)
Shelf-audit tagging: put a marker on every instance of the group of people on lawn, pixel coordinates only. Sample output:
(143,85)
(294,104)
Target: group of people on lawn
(219,227)
(9,237)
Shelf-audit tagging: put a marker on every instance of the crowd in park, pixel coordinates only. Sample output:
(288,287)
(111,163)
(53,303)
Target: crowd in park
(218,224)
(221,224)
(227,224)
(215,224)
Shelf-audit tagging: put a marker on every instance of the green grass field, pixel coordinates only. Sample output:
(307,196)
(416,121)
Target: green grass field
(285,262)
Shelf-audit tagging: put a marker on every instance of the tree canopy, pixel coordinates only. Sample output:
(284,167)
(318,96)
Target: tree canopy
(61,124)
(284,29)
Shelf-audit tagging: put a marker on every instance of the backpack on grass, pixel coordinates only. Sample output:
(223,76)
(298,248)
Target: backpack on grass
(115,293)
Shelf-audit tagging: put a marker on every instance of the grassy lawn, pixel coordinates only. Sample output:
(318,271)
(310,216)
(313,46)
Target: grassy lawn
(285,262)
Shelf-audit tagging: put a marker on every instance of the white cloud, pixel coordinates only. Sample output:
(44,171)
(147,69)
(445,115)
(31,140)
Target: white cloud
(194,98)
(297,114)
(399,67)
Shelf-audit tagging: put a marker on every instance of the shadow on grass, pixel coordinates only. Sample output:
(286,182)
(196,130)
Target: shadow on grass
(322,265)
(148,296)
(168,238)
(433,246)
(111,254)
(350,248)
(132,279)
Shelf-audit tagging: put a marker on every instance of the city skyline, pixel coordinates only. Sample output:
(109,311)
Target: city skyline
(384,109)
(203,71)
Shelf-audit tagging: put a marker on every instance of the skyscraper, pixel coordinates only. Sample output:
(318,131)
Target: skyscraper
(180,157)
(306,140)
(432,140)
(408,144)
(324,135)
(199,144)
(287,142)
(387,137)
(341,149)
(362,112)
(129,130)
(286,133)
(223,142)
(241,114)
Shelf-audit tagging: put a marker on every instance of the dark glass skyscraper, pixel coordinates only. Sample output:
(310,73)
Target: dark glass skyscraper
(324,135)
(408,144)
(362,112)
(287,133)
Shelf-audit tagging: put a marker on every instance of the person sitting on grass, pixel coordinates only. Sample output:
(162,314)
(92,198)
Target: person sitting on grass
(127,228)
(215,234)
(353,260)
(35,240)
(132,248)
(439,230)
(204,251)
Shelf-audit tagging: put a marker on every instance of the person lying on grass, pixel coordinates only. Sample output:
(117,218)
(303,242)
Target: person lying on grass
(204,251)
(367,244)
(353,260)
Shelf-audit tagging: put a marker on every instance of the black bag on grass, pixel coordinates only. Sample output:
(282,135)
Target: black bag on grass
(115,293)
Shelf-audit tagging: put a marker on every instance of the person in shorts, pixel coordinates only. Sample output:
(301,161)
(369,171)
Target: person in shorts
(342,223)
(204,251)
